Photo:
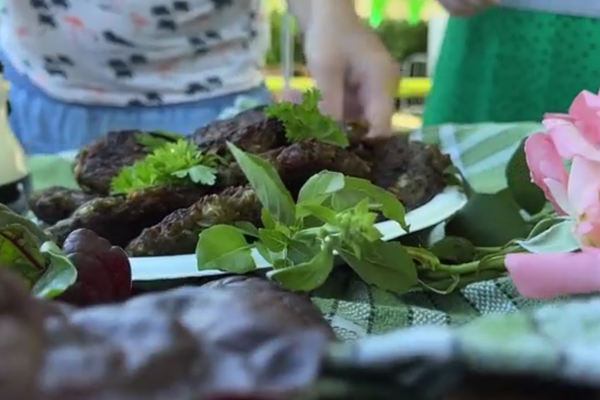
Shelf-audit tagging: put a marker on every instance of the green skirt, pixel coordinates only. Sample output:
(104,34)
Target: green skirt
(507,65)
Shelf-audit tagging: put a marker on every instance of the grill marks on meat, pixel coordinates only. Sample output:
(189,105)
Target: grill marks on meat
(57,203)
(119,219)
(178,232)
(250,130)
(97,164)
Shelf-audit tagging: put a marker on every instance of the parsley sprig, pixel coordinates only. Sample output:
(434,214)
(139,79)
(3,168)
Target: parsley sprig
(304,120)
(177,162)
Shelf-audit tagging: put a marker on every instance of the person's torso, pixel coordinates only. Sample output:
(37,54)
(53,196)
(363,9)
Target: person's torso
(136,52)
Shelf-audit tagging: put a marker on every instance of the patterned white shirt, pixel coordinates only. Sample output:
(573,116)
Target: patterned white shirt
(136,52)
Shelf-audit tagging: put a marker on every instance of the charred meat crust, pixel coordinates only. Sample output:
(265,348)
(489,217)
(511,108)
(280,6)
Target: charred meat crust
(57,203)
(97,164)
(250,130)
(178,232)
(119,219)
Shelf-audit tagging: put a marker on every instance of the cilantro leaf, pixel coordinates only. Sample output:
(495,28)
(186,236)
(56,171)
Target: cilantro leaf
(304,121)
(177,162)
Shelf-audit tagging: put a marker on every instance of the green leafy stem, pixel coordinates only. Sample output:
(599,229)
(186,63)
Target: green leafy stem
(334,215)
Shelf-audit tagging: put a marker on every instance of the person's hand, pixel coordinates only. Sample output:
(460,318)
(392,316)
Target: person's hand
(351,67)
(465,8)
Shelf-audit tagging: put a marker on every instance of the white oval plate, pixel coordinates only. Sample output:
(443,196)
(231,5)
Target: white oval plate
(439,209)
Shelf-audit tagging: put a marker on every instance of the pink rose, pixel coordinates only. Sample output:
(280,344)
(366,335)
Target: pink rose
(546,168)
(577,133)
(544,276)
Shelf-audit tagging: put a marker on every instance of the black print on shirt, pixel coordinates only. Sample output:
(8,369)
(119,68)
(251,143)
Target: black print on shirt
(213,35)
(166,24)
(220,4)
(160,11)
(181,6)
(135,103)
(154,97)
(61,3)
(194,88)
(214,82)
(39,4)
(138,59)
(120,68)
(57,65)
(46,20)
(113,38)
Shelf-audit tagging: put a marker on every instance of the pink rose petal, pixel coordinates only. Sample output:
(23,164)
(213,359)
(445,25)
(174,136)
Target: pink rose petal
(544,276)
(547,169)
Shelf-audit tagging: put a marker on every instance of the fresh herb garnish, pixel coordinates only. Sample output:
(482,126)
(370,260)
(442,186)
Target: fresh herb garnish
(154,140)
(27,250)
(305,121)
(334,213)
(172,163)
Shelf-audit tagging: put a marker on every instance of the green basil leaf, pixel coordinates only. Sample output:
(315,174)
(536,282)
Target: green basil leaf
(322,213)
(224,248)
(267,184)
(526,193)
(489,220)
(321,185)
(386,265)
(60,275)
(557,239)
(306,276)
(356,190)
(247,228)
(454,249)
(300,251)
(275,240)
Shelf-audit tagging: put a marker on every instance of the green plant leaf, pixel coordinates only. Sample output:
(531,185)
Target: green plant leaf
(224,248)
(306,276)
(267,184)
(304,121)
(154,140)
(489,220)
(275,240)
(323,214)
(20,251)
(9,217)
(544,225)
(60,274)
(527,194)
(386,265)
(356,190)
(199,174)
(247,228)
(444,286)
(558,238)
(454,249)
(301,251)
(321,185)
